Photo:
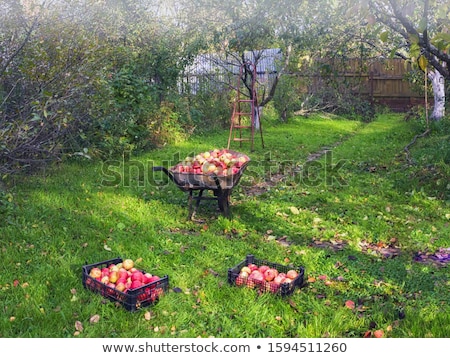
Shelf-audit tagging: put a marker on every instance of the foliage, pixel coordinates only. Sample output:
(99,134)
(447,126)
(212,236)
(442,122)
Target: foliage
(89,81)
(418,27)
(93,78)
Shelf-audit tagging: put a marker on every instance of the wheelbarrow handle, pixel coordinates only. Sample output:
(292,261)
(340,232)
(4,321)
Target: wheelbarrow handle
(163,169)
(159,169)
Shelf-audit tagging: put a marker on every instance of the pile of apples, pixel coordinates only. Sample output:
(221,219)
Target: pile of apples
(220,162)
(125,278)
(264,277)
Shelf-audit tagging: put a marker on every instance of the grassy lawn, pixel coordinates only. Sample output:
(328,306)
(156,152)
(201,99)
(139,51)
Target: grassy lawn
(332,195)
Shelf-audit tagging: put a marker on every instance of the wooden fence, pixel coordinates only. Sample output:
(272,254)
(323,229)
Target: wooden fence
(381,82)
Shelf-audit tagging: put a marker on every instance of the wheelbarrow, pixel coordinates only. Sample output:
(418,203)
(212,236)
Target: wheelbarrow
(196,184)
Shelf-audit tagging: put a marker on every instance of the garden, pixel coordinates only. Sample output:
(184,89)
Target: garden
(335,223)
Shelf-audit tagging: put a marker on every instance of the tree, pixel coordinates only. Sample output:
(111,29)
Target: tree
(421,30)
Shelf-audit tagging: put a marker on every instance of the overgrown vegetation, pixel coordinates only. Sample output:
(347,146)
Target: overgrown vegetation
(95,79)
(354,217)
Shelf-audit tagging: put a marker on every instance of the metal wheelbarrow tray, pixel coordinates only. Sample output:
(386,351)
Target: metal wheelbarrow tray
(196,184)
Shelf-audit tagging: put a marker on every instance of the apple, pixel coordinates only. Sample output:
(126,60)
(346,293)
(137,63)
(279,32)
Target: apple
(256,276)
(137,276)
(272,287)
(95,272)
(146,278)
(120,286)
(219,162)
(113,276)
(292,274)
(242,278)
(156,293)
(263,268)
(104,279)
(270,274)
(153,279)
(242,159)
(128,264)
(113,267)
(280,277)
(135,284)
(252,267)
(111,287)
(122,280)
(123,274)
(246,269)
(286,280)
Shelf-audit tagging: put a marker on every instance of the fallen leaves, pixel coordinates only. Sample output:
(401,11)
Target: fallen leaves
(94,319)
(78,327)
(335,244)
(383,249)
(440,257)
(148,315)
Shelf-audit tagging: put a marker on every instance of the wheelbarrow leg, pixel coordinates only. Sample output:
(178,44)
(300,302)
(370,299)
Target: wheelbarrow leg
(198,198)
(223,198)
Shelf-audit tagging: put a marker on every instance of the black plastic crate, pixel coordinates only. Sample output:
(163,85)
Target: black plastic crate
(132,299)
(282,289)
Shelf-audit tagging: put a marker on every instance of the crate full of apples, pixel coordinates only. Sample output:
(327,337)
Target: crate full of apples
(266,276)
(120,281)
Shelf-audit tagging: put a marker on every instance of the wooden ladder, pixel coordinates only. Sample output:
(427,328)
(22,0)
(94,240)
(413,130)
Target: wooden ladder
(245,118)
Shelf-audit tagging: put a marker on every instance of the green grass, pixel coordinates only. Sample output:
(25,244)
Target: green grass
(361,193)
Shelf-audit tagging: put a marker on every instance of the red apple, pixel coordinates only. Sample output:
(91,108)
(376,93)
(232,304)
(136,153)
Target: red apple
(270,274)
(146,278)
(135,284)
(263,268)
(105,271)
(292,274)
(110,289)
(154,278)
(280,277)
(272,287)
(252,267)
(121,280)
(137,276)
(156,293)
(256,276)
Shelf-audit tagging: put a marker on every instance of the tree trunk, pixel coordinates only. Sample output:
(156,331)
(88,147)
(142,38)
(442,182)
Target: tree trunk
(438,84)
